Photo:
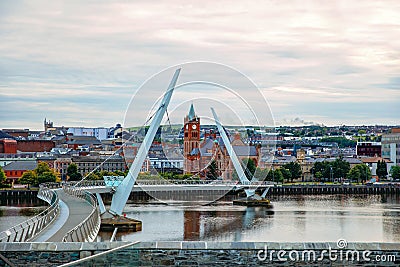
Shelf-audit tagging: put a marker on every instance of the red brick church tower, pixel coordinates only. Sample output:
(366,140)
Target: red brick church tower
(191,142)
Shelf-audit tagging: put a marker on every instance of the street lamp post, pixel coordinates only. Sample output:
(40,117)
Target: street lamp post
(331,175)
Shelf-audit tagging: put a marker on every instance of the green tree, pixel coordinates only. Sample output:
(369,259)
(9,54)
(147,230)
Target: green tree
(147,176)
(318,167)
(2,175)
(340,168)
(354,175)
(250,168)
(275,176)
(323,168)
(360,172)
(94,176)
(318,176)
(295,170)
(168,175)
(42,167)
(381,169)
(365,172)
(287,175)
(270,176)
(29,178)
(72,172)
(395,172)
(212,170)
(278,176)
(46,177)
(105,173)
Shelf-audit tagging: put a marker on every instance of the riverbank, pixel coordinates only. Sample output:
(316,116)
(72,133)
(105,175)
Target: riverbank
(18,196)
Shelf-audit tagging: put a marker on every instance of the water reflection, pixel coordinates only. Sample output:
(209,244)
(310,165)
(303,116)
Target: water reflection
(205,224)
(11,216)
(296,218)
(16,210)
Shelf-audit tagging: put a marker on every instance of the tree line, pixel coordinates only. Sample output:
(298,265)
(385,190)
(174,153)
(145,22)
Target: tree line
(322,171)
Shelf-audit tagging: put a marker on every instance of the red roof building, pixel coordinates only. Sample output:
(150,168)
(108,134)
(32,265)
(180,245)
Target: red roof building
(15,169)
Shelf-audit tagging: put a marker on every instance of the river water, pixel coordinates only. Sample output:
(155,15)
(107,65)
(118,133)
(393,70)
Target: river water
(13,215)
(293,219)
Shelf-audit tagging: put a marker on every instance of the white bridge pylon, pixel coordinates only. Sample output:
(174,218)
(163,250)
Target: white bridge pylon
(235,160)
(124,189)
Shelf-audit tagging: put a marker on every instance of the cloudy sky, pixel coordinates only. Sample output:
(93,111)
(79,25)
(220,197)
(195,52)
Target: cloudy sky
(78,63)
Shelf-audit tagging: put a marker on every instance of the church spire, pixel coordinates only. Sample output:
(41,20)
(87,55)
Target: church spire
(191,113)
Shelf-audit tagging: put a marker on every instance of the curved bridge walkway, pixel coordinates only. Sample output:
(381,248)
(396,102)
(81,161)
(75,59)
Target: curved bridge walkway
(73,211)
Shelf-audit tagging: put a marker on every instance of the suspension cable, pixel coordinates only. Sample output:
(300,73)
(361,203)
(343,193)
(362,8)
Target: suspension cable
(123,145)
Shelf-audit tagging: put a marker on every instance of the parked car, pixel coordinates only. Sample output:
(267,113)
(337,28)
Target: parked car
(346,182)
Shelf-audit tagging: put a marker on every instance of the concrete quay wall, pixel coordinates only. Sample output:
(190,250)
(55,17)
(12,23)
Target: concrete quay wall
(334,189)
(195,254)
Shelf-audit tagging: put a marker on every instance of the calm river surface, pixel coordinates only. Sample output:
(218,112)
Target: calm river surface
(294,219)
(11,216)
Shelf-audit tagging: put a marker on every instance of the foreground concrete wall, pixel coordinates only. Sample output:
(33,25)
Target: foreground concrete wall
(198,254)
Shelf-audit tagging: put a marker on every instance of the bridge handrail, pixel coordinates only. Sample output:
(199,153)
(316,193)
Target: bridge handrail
(89,183)
(88,229)
(30,228)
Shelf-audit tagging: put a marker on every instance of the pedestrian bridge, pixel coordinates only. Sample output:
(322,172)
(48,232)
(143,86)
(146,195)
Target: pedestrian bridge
(73,214)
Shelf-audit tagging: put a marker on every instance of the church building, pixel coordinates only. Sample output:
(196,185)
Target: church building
(198,154)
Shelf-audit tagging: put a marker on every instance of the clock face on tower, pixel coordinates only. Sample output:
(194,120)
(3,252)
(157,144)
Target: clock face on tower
(194,126)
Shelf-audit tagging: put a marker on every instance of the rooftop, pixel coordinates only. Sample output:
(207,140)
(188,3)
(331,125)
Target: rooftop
(4,135)
(83,140)
(374,160)
(26,165)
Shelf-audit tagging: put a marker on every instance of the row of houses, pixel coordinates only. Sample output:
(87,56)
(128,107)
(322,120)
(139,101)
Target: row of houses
(14,165)
(89,153)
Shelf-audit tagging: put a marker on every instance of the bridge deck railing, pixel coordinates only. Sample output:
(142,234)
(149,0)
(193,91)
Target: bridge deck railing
(89,183)
(30,228)
(88,229)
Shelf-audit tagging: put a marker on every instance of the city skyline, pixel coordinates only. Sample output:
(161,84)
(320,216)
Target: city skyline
(78,64)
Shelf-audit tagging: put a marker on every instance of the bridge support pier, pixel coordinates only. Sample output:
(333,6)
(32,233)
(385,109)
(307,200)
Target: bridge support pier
(109,222)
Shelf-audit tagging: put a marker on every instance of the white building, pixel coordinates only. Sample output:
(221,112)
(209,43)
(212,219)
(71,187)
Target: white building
(166,164)
(99,133)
